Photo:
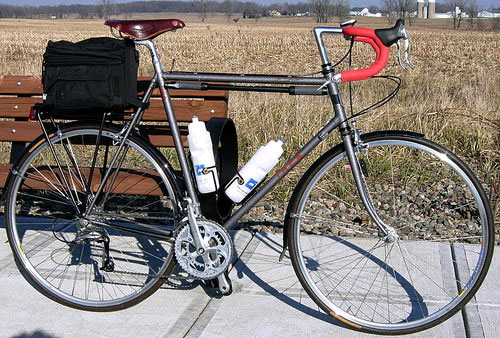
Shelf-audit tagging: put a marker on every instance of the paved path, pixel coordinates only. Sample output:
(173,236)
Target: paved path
(268,301)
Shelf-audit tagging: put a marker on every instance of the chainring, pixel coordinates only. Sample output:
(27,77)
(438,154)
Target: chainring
(216,258)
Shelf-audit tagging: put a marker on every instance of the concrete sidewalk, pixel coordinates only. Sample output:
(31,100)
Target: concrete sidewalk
(268,301)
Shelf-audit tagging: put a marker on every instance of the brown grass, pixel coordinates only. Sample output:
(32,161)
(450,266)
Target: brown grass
(452,96)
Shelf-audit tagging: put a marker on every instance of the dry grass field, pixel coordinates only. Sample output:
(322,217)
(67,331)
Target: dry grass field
(452,96)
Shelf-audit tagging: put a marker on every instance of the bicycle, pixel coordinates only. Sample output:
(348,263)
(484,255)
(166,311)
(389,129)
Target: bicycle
(400,207)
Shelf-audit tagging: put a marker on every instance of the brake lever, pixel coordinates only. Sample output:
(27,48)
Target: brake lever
(407,52)
(398,44)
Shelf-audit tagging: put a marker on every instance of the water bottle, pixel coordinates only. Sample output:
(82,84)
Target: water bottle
(202,156)
(254,171)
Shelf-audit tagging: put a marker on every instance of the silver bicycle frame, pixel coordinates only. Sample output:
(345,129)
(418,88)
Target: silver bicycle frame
(338,121)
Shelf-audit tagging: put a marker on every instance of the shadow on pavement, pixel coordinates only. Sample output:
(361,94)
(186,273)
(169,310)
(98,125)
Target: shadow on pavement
(36,334)
(418,309)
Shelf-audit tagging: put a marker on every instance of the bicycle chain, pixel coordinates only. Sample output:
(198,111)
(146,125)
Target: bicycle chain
(157,276)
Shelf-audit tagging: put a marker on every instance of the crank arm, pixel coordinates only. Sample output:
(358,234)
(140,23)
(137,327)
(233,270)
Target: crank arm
(224,283)
(201,247)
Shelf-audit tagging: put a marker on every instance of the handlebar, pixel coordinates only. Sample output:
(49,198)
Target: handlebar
(379,39)
(369,36)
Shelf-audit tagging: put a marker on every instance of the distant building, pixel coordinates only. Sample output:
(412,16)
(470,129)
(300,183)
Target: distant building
(274,13)
(457,13)
(488,14)
(426,11)
(358,11)
(303,14)
(447,15)
(429,11)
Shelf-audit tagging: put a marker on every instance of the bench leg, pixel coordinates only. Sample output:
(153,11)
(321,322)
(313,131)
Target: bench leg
(16,151)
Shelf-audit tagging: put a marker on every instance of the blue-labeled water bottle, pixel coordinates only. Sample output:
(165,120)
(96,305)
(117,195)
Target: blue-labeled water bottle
(202,156)
(254,170)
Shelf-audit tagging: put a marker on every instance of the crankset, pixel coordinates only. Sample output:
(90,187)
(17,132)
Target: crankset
(214,261)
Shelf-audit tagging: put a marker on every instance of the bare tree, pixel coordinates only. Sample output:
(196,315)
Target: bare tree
(228,8)
(456,7)
(104,9)
(341,9)
(202,9)
(84,13)
(251,11)
(405,8)
(399,9)
(496,24)
(323,9)
(390,7)
(472,8)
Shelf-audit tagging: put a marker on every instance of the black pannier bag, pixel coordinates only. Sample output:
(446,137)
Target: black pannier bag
(98,74)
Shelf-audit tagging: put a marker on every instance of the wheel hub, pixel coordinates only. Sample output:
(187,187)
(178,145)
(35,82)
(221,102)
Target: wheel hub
(87,229)
(392,235)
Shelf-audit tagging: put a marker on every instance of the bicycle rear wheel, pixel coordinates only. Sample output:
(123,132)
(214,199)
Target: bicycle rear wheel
(432,264)
(103,259)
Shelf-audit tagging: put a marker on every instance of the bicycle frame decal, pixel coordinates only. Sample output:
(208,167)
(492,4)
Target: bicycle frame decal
(289,166)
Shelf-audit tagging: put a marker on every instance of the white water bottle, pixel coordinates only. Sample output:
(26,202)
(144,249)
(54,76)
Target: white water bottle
(254,170)
(202,156)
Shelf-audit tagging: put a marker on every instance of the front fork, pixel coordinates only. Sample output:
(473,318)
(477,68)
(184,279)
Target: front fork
(353,144)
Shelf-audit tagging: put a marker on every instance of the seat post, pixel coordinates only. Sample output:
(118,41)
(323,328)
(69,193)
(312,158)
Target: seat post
(169,109)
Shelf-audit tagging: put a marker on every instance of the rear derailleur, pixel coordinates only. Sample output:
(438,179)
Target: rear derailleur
(87,234)
(107,263)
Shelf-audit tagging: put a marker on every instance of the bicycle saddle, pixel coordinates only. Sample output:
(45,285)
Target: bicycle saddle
(145,29)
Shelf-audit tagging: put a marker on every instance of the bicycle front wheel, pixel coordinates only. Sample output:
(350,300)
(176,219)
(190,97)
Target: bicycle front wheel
(104,258)
(431,263)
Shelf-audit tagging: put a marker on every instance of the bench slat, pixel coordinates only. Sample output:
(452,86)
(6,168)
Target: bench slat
(19,107)
(27,131)
(19,131)
(31,85)
(130,182)
(25,85)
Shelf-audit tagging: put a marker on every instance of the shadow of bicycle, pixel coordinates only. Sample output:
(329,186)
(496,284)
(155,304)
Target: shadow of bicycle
(279,280)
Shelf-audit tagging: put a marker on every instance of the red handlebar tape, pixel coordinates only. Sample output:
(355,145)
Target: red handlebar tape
(366,35)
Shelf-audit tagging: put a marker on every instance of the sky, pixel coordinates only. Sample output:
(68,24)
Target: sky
(483,4)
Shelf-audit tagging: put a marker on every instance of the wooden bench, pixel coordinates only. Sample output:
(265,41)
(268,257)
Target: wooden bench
(19,93)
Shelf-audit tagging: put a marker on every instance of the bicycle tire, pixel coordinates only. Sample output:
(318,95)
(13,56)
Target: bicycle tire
(61,249)
(441,252)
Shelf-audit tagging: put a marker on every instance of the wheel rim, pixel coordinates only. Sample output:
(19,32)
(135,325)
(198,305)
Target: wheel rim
(48,235)
(372,288)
